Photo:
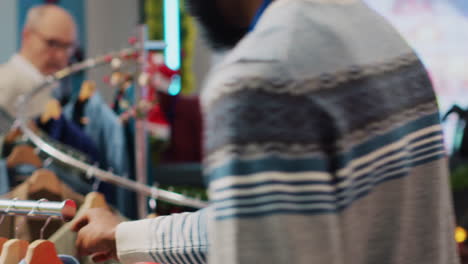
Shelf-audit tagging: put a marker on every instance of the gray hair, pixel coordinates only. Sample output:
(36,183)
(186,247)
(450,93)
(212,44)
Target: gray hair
(35,14)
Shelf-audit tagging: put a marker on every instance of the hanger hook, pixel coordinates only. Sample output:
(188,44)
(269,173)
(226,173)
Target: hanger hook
(48,162)
(153,202)
(96,184)
(36,208)
(155,191)
(13,203)
(37,151)
(90,172)
(2,218)
(44,227)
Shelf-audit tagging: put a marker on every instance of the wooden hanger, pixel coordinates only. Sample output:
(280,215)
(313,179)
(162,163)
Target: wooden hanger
(42,252)
(152,216)
(44,179)
(2,241)
(53,110)
(13,134)
(87,90)
(14,251)
(94,200)
(23,154)
(16,132)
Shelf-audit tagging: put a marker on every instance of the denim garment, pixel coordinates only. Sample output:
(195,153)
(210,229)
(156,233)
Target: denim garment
(106,130)
(70,134)
(4,179)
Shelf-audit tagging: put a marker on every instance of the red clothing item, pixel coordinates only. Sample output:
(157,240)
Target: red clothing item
(184,116)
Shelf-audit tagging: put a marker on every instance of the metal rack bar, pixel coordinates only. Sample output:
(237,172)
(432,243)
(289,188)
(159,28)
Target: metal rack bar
(141,139)
(102,175)
(65,210)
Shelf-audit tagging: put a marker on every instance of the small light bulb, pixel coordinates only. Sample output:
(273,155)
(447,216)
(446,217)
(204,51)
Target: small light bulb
(460,235)
(143,79)
(116,63)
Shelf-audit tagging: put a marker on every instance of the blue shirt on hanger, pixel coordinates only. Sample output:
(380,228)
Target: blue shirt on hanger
(104,128)
(70,134)
(4,179)
(106,131)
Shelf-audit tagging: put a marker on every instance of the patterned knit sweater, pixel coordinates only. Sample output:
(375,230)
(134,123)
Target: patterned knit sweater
(322,145)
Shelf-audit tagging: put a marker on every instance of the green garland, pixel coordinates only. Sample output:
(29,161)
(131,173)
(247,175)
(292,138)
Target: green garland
(459,178)
(189,32)
(155,22)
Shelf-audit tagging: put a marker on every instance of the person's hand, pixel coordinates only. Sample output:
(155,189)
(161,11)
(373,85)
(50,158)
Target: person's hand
(96,234)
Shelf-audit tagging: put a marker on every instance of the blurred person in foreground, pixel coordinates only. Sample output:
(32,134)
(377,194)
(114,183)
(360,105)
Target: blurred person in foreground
(48,41)
(322,145)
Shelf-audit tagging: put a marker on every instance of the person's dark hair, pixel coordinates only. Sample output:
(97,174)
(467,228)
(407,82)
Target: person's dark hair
(218,32)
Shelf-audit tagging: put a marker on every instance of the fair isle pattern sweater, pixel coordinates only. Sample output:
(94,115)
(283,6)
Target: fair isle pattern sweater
(322,145)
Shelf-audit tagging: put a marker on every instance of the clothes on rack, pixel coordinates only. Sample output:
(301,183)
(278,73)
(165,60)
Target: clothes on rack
(29,229)
(20,173)
(63,239)
(70,134)
(4,178)
(71,176)
(124,101)
(78,115)
(106,131)
(104,128)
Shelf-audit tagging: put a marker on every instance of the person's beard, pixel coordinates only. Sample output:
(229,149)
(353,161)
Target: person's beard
(220,35)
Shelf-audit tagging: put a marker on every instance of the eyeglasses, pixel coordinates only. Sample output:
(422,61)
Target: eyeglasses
(56,44)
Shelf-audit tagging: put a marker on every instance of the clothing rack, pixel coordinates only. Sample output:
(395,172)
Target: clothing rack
(90,170)
(65,210)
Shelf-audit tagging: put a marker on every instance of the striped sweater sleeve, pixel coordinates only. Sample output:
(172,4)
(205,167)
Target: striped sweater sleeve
(178,239)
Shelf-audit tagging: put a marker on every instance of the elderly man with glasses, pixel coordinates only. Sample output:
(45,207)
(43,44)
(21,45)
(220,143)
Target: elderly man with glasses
(48,41)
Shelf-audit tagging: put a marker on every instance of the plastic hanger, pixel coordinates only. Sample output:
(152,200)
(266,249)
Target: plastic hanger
(42,252)
(87,90)
(2,241)
(23,154)
(14,250)
(53,110)
(44,179)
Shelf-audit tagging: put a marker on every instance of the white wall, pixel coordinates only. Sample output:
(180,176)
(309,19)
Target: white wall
(8,31)
(109,24)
